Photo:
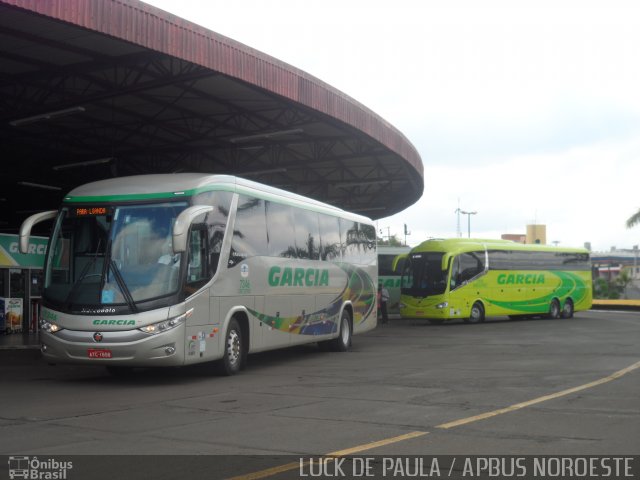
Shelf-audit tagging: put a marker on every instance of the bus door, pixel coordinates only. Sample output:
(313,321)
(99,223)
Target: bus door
(198,272)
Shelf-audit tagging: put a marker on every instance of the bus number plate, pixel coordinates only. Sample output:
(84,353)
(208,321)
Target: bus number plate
(98,353)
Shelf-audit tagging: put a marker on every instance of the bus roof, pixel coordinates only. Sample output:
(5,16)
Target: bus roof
(174,185)
(454,246)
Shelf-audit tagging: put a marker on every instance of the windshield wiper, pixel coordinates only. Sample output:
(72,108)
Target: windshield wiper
(126,293)
(113,266)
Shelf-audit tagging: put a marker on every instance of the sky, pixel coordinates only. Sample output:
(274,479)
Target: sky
(526,112)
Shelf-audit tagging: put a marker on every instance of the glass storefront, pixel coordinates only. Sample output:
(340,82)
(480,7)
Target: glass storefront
(20,284)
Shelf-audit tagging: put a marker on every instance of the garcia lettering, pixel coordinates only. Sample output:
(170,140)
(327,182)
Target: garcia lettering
(298,277)
(114,322)
(520,279)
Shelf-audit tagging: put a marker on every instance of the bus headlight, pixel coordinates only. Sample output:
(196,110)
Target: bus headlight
(49,327)
(163,326)
(442,305)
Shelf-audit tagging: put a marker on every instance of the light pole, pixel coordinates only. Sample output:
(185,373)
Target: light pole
(388,234)
(468,214)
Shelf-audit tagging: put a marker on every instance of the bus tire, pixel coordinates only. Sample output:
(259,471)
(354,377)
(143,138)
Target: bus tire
(554,309)
(477,313)
(567,309)
(232,360)
(343,341)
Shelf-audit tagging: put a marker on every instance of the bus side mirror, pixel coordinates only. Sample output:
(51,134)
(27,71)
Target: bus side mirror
(27,225)
(398,261)
(183,222)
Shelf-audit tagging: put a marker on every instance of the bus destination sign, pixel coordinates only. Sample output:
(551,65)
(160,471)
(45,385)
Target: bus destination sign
(90,211)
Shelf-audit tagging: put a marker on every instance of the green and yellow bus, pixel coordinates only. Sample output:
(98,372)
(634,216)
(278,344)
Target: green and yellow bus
(472,279)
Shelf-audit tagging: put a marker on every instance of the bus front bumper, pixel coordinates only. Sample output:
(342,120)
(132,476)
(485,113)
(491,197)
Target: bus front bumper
(429,309)
(131,348)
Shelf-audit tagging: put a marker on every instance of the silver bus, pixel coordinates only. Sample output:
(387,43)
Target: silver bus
(177,269)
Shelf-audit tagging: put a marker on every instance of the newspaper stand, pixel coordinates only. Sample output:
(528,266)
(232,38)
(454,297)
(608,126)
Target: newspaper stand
(11,312)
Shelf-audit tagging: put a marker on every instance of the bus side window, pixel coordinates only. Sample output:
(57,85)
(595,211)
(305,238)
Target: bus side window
(249,231)
(471,264)
(197,266)
(330,247)
(455,273)
(216,222)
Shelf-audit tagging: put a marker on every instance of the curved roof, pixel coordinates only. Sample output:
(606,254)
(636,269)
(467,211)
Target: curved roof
(100,88)
(178,185)
(459,245)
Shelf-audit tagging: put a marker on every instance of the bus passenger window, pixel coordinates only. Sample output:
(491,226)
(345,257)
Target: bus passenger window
(249,232)
(471,264)
(330,248)
(455,273)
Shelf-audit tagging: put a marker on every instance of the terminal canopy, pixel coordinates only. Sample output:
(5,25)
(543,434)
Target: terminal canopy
(102,89)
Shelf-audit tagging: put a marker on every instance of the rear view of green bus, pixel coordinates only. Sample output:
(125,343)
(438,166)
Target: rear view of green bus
(473,279)
(390,265)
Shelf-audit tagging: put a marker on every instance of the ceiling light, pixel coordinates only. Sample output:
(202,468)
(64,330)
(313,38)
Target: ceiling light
(46,116)
(83,164)
(39,185)
(266,136)
(364,183)
(367,209)
(261,172)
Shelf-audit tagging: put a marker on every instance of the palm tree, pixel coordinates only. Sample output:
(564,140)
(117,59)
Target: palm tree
(633,219)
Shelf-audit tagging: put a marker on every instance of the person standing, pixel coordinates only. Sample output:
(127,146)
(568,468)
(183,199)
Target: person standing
(383,298)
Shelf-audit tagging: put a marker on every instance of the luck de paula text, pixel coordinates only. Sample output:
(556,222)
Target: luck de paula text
(469,467)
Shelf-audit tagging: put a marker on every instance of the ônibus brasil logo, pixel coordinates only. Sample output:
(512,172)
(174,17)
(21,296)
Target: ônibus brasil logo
(34,468)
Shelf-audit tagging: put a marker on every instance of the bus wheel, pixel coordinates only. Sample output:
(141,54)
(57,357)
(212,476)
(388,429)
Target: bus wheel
(554,309)
(343,342)
(231,362)
(477,313)
(567,309)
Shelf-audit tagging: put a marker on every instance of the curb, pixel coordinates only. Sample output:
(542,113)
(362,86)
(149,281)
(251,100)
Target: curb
(630,305)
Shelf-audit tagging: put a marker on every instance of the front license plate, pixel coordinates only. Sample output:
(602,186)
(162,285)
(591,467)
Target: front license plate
(98,353)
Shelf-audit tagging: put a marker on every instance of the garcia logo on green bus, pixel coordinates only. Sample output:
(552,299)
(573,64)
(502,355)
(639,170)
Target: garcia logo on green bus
(298,277)
(519,279)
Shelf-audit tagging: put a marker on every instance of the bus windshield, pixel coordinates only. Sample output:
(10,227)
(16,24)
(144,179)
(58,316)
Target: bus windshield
(113,255)
(423,275)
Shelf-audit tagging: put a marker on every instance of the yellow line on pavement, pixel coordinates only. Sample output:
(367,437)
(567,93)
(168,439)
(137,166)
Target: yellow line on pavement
(464,421)
(379,443)
(528,403)
(339,453)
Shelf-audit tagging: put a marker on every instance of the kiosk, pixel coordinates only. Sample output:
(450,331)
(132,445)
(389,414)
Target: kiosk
(20,284)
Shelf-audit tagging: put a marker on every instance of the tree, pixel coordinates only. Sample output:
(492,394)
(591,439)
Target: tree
(606,289)
(622,281)
(391,241)
(633,219)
